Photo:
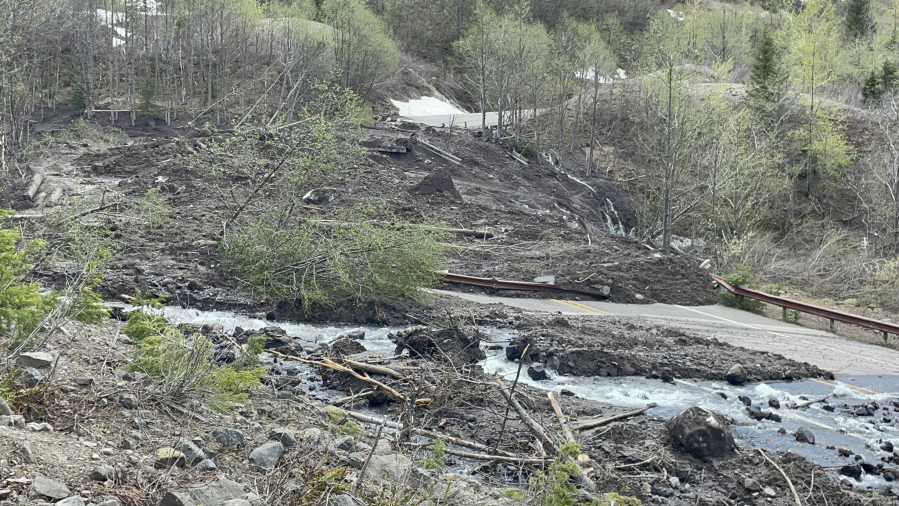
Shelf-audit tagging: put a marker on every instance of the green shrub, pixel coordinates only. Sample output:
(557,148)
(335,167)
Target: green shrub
(740,278)
(437,459)
(351,428)
(526,149)
(152,209)
(22,306)
(182,365)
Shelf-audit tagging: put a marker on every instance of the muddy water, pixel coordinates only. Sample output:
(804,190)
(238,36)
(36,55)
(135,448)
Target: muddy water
(840,429)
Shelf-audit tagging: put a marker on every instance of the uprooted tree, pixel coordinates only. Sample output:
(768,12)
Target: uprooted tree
(278,247)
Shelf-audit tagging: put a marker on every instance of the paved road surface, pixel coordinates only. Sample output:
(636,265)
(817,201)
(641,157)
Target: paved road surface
(843,357)
(472,120)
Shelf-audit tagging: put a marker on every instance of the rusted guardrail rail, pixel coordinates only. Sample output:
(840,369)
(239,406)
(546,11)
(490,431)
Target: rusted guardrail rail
(499,284)
(885,328)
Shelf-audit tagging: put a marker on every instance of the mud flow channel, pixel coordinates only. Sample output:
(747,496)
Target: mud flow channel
(837,425)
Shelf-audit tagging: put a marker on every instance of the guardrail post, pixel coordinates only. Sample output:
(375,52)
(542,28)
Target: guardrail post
(784,318)
(886,338)
(833,326)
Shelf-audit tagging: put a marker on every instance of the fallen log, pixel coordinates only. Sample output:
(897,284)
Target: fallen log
(606,421)
(529,421)
(375,369)
(330,364)
(809,403)
(433,435)
(36,180)
(500,458)
(566,431)
(439,152)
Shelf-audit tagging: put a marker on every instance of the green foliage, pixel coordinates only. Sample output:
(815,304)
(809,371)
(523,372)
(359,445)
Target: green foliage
(364,52)
(182,364)
(208,130)
(859,22)
(768,78)
(871,90)
(514,494)
(351,428)
(148,94)
(742,277)
(889,75)
(526,149)
(87,306)
(437,459)
(555,487)
(22,306)
(153,209)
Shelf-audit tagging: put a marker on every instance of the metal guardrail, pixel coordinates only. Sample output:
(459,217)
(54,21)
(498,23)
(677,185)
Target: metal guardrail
(499,284)
(885,328)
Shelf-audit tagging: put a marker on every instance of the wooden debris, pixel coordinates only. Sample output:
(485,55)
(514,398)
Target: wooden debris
(782,473)
(606,421)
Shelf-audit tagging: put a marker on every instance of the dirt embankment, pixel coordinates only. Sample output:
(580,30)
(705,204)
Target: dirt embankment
(542,221)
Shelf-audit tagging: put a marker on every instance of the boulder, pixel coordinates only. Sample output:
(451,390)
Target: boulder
(774,403)
(756,413)
(36,359)
(4,408)
(284,436)
(537,371)
(804,435)
(266,456)
(215,493)
(229,438)
(75,500)
(47,487)
(701,433)
(31,376)
(745,400)
(167,457)
(192,453)
(320,196)
(852,471)
(357,334)
(736,375)
(106,472)
(128,401)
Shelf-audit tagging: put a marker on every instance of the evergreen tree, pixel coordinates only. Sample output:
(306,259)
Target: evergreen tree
(889,76)
(768,76)
(859,19)
(871,90)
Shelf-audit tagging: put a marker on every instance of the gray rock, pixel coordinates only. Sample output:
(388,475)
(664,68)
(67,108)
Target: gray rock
(46,427)
(129,444)
(229,438)
(736,375)
(75,500)
(768,491)
(804,435)
(206,465)
(31,376)
(344,443)
(167,457)
(774,403)
(36,359)
(320,196)
(128,401)
(548,279)
(313,436)
(12,421)
(107,472)
(342,500)
(46,487)
(537,371)
(701,433)
(192,453)
(397,469)
(4,408)
(356,460)
(217,492)
(83,382)
(752,485)
(356,334)
(285,436)
(745,400)
(27,453)
(266,456)
(112,501)
(383,447)
(237,502)
(139,424)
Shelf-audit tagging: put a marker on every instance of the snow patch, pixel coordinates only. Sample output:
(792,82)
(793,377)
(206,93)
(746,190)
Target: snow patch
(426,106)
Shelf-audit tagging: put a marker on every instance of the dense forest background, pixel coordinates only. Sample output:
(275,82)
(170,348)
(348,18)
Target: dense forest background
(762,135)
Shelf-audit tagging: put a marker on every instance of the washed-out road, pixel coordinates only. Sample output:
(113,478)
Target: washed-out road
(852,361)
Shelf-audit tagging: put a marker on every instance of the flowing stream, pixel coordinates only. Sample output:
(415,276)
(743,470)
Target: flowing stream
(861,435)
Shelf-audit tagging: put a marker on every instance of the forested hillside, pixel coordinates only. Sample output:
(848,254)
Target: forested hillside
(756,133)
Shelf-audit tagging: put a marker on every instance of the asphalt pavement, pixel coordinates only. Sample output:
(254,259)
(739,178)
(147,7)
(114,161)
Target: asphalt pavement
(846,358)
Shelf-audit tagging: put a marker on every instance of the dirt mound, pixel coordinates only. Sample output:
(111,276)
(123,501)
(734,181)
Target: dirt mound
(453,345)
(626,347)
(438,183)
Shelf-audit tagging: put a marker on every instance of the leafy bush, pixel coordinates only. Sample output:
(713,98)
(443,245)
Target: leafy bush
(555,487)
(526,149)
(22,305)
(182,364)
(437,459)
(740,278)
(153,209)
